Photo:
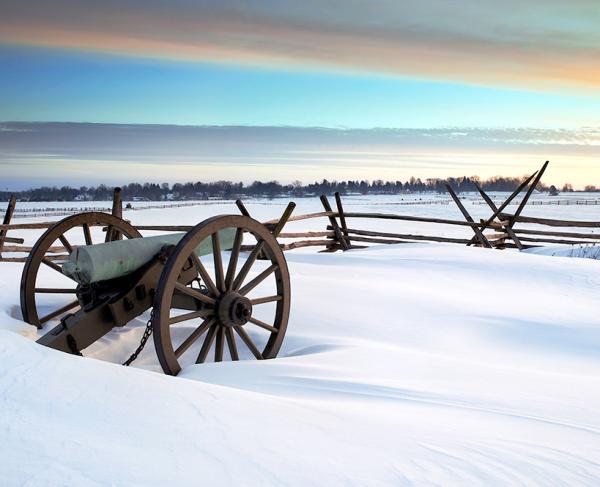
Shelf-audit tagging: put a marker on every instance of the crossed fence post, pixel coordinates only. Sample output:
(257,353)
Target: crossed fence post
(277,227)
(497,211)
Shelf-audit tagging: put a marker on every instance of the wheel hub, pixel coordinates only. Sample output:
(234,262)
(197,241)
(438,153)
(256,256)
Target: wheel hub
(234,309)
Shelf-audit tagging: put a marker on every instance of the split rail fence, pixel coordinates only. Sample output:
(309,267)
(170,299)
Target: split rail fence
(340,232)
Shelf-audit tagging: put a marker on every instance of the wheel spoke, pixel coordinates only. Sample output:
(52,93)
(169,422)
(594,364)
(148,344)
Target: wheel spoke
(208,341)
(247,265)
(52,265)
(66,244)
(194,293)
(257,280)
(262,324)
(206,279)
(216,249)
(87,234)
(233,258)
(231,344)
(220,345)
(52,290)
(204,313)
(266,299)
(197,333)
(59,311)
(248,341)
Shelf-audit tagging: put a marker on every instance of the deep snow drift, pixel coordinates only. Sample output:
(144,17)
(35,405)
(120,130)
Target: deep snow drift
(415,364)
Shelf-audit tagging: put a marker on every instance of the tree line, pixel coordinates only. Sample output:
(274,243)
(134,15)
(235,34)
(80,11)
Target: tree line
(269,189)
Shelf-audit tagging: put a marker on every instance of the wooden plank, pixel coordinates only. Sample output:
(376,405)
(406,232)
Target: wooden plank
(27,249)
(243,210)
(24,259)
(305,243)
(550,222)
(391,216)
(27,226)
(496,211)
(15,240)
(463,210)
(293,245)
(117,210)
(117,206)
(308,234)
(340,209)
(307,216)
(429,238)
(10,209)
(555,241)
(336,229)
(274,228)
(287,213)
(380,240)
(595,236)
(528,194)
(509,200)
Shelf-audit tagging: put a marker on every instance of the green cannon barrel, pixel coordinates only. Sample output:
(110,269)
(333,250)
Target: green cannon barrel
(101,262)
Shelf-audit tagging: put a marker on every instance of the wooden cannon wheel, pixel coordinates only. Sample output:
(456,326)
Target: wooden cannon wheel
(232,300)
(53,247)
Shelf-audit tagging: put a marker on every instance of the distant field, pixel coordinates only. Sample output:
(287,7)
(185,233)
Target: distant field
(426,204)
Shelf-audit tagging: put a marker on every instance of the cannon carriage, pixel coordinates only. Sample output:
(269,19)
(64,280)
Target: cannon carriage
(202,306)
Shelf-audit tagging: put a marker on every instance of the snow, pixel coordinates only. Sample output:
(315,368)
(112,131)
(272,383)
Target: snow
(417,364)
(587,251)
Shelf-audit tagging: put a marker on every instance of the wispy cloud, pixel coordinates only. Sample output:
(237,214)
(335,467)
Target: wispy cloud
(539,44)
(70,153)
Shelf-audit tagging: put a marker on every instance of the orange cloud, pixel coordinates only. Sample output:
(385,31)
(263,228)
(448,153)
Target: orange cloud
(540,45)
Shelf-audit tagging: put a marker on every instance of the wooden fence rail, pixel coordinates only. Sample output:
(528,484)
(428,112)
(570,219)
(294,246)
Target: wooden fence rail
(338,233)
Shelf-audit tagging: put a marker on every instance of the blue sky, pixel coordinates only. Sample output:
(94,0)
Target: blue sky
(41,84)
(515,82)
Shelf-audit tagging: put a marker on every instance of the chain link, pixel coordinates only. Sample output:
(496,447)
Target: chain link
(148,331)
(145,337)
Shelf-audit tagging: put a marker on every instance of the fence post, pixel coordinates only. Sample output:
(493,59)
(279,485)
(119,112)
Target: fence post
(284,218)
(276,228)
(10,209)
(117,207)
(242,208)
(117,210)
(336,229)
(340,209)
(484,241)
(525,199)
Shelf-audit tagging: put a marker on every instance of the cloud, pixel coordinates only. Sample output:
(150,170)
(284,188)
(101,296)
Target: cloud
(539,44)
(72,153)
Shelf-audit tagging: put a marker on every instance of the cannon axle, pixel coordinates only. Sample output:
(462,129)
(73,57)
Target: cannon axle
(234,310)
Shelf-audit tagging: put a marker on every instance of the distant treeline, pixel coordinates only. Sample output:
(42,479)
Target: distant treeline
(270,189)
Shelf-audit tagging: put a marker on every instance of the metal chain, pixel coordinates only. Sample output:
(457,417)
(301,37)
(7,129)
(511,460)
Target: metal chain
(148,332)
(145,337)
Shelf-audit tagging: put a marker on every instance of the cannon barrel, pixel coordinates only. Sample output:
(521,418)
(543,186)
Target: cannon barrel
(110,260)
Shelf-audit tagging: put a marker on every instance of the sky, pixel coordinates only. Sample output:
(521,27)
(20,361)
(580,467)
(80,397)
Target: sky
(378,89)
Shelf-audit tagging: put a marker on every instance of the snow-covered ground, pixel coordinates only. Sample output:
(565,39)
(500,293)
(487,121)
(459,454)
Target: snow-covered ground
(418,364)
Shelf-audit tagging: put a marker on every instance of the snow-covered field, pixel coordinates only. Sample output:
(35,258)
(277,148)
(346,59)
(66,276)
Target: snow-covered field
(418,364)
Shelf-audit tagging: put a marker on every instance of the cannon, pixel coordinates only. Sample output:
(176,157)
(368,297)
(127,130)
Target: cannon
(198,304)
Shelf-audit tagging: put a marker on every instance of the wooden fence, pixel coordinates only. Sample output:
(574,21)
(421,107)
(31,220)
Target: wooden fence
(342,230)
(562,202)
